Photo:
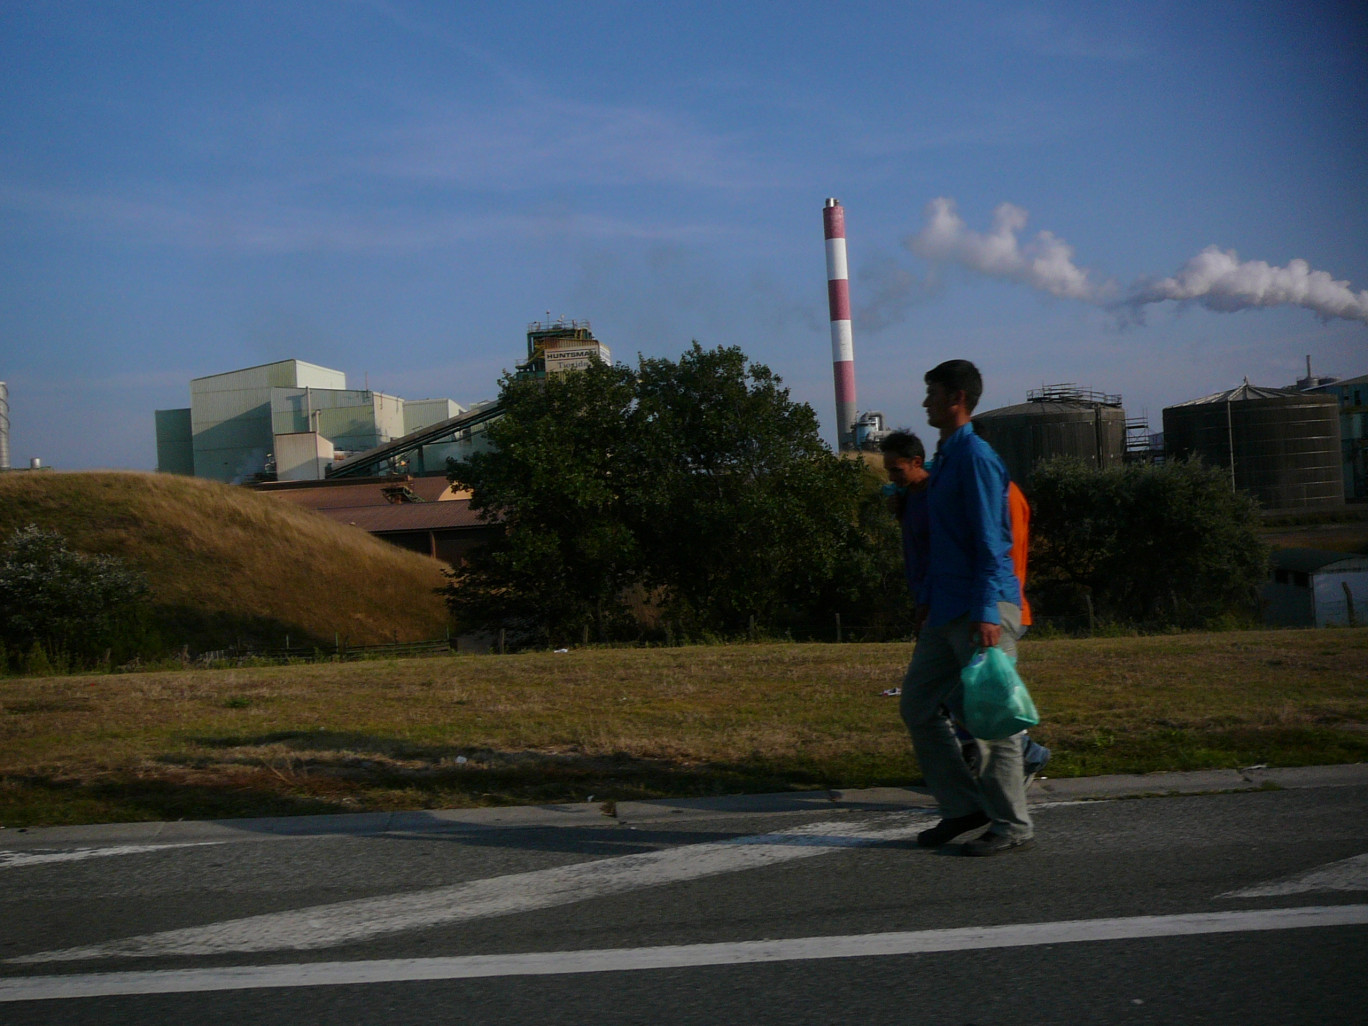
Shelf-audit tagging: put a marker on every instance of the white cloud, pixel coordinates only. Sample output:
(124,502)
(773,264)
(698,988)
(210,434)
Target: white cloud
(1044,262)
(1218,280)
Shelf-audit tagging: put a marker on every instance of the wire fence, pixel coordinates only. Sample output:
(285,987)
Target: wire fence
(836,630)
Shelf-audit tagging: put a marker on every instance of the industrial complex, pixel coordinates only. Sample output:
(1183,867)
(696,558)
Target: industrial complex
(380,461)
(296,421)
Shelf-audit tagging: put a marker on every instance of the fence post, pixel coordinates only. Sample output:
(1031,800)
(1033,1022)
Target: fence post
(337,642)
(1092,622)
(838,628)
(1349,603)
(501,641)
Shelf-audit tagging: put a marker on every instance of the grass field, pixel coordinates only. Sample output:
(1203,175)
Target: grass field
(625,723)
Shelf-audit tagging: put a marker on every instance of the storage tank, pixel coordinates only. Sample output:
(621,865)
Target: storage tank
(1058,420)
(1279,444)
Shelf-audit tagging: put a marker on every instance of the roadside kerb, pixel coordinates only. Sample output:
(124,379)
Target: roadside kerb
(597,813)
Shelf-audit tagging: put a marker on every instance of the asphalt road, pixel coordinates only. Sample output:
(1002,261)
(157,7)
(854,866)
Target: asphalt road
(1146,900)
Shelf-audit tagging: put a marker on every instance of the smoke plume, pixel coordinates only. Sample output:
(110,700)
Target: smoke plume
(1044,262)
(1214,278)
(1217,280)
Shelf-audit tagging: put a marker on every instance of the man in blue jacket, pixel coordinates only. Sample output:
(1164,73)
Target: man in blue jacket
(973,601)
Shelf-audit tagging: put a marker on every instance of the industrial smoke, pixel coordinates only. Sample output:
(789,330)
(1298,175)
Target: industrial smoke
(1215,279)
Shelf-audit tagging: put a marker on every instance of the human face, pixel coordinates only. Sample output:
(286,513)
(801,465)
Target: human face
(939,403)
(903,472)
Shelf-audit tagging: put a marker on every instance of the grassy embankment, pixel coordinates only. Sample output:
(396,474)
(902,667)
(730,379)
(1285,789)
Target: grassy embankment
(619,724)
(228,565)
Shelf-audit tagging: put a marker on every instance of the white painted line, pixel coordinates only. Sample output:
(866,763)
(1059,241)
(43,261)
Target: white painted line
(331,974)
(1350,874)
(16,859)
(323,926)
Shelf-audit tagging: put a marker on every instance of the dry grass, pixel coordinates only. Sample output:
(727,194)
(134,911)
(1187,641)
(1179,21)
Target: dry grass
(619,724)
(226,563)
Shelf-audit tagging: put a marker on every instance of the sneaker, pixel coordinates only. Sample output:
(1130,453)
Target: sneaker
(995,844)
(948,829)
(1034,767)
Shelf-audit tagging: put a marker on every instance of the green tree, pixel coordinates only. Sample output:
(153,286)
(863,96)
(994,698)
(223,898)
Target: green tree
(555,481)
(697,486)
(1166,544)
(747,512)
(72,607)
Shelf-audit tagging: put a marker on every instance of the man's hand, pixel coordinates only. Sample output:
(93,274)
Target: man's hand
(986,635)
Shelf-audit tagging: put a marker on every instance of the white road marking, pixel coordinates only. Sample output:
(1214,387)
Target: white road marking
(1350,874)
(15,859)
(330,974)
(322,926)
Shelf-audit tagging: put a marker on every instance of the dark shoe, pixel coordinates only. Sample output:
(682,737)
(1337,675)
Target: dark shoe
(948,829)
(995,844)
(1034,767)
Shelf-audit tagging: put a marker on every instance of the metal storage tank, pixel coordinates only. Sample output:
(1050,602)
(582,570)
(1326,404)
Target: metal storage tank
(1280,445)
(1058,420)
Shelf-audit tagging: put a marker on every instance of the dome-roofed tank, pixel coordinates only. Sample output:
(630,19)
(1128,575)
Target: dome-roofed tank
(1058,420)
(1285,443)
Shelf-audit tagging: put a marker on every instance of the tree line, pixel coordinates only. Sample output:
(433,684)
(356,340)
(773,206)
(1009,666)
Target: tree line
(695,499)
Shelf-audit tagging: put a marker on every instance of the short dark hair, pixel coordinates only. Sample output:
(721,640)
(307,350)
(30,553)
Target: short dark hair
(902,445)
(958,376)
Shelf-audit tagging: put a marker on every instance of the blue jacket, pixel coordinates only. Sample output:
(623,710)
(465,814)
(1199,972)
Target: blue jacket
(916,539)
(969,565)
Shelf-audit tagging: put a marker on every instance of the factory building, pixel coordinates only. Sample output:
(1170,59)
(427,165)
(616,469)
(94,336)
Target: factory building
(427,515)
(1056,420)
(559,346)
(1352,396)
(1281,445)
(553,347)
(289,420)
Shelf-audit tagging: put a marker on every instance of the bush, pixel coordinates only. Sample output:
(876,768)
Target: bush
(64,610)
(1153,546)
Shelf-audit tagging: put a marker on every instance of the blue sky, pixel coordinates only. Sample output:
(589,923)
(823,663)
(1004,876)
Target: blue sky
(1154,199)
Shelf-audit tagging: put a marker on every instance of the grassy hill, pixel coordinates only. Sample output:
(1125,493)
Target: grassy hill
(227,565)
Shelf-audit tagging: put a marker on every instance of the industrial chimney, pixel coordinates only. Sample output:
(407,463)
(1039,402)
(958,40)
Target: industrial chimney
(842,343)
(4,427)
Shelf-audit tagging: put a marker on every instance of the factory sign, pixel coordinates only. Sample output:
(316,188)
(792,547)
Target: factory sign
(558,360)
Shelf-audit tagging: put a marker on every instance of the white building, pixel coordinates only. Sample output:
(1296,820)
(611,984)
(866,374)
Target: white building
(288,418)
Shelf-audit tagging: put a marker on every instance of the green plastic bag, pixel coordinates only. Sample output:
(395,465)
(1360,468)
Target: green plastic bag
(996,702)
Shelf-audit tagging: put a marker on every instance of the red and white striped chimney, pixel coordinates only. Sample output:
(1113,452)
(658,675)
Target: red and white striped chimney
(842,342)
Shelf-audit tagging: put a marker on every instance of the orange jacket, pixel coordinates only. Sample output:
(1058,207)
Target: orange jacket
(1020,511)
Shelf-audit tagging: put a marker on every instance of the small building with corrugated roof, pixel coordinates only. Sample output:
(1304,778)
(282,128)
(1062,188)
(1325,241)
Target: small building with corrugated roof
(1316,588)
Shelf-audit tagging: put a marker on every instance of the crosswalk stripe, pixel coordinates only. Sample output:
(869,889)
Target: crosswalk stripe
(322,926)
(329,974)
(1349,874)
(19,859)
